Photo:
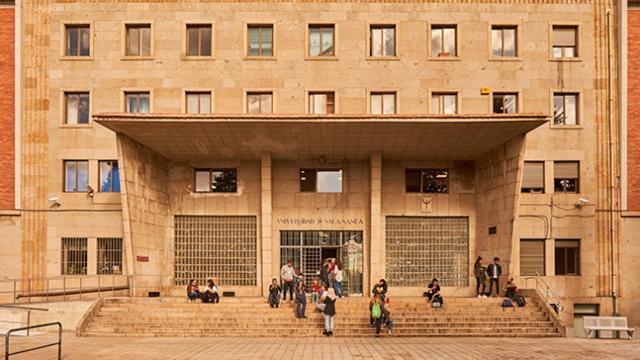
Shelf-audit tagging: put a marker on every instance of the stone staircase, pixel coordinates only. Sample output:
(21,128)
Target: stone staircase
(252,317)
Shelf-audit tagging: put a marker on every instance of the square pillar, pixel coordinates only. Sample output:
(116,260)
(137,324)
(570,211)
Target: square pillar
(377,245)
(265,245)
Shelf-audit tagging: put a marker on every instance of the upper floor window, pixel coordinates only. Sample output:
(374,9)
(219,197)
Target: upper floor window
(504,41)
(137,102)
(533,177)
(199,40)
(565,41)
(109,176)
(427,181)
(567,257)
(260,40)
(216,180)
(321,103)
(198,102)
(566,176)
(532,257)
(321,40)
(383,103)
(138,40)
(382,40)
(78,40)
(505,103)
(444,103)
(76,175)
(443,41)
(76,108)
(321,180)
(565,109)
(259,103)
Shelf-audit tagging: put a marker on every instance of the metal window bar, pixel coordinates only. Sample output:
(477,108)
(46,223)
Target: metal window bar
(74,256)
(420,248)
(222,247)
(109,253)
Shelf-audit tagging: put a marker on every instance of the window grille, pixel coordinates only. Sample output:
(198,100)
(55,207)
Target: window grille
(421,248)
(109,256)
(74,256)
(221,247)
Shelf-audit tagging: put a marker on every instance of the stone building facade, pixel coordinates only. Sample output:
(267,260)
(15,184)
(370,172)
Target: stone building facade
(405,138)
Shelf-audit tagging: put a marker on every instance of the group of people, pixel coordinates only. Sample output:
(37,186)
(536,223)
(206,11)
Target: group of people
(491,272)
(210,294)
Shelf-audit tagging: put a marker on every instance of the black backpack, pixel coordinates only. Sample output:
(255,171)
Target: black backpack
(521,301)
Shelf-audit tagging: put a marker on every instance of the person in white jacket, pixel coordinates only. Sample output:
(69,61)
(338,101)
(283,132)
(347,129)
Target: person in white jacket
(287,274)
(337,274)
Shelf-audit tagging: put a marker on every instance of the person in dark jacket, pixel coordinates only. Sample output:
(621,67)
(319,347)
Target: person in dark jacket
(324,273)
(494,270)
(433,292)
(274,293)
(380,288)
(480,272)
(301,301)
(329,311)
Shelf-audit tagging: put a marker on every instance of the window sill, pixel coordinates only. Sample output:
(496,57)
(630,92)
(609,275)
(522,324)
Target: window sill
(134,58)
(76,126)
(247,57)
(76,58)
(383,58)
(445,58)
(573,59)
(566,127)
(528,192)
(196,58)
(9,213)
(505,58)
(321,58)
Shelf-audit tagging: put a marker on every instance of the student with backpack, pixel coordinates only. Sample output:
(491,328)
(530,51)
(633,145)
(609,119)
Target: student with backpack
(329,300)
(376,308)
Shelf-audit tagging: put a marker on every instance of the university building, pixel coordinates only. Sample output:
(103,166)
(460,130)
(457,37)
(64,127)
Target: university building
(173,140)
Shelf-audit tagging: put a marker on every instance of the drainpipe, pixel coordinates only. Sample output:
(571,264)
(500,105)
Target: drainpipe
(612,177)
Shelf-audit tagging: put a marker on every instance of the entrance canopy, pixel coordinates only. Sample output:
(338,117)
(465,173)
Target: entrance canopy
(193,137)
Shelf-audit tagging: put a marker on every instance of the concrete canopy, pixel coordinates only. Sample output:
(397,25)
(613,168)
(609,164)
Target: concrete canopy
(199,137)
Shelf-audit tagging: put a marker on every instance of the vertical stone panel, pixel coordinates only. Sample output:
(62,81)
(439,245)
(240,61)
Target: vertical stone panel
(7,108)
(267,265)
(377,264)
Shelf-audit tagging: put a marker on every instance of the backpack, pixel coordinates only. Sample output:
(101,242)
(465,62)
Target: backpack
(376,312)
(521,301)
(436,304)
(507,303)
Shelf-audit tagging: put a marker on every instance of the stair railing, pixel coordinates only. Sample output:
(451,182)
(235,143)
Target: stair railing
(550,296)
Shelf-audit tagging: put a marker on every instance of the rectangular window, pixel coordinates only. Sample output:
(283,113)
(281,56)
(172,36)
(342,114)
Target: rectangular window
(427,181)
(533,177)
(260,40)
(259,103)
(565,41)
(565,109)
(321,180)
(321,103)
(109,255)
(505,103)
(567,256)
(76,175)
(78,40)
(382,40)
(216,180)
(198,102)
(383,103)
(531,256)
(76,108)
(73,259)
(504,41)
(137,102)
(109,176)
(321,40)
(199,40)
(443,41)
(566,176)
(138,40)
(444,103)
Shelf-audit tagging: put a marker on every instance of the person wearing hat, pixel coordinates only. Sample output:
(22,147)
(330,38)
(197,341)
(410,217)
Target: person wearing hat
(494,270)
(329,311)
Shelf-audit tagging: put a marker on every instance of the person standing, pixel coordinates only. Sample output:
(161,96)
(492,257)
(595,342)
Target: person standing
(274,294)
(329,300)
(494,270)
(376,313)
(301,301)
(480,272)
(324,273)
(287,275)
(337,271)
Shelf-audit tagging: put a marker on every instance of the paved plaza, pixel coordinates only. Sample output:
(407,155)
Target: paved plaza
(325,349)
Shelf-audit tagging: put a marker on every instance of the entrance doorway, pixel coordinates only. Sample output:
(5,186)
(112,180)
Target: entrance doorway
(308,249)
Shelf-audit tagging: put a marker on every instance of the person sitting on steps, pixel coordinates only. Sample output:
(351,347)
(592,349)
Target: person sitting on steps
(433,292)
(316,291)
(274,293)
(510,290)
(211,293)
(193,292)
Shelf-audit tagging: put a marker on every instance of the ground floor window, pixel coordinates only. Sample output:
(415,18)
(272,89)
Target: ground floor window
(308,249)
(74,256)
(109,255)
(567,257)
(421,248)
(223,247)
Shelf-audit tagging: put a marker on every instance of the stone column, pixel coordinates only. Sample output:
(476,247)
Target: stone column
(265,248)
(376,253)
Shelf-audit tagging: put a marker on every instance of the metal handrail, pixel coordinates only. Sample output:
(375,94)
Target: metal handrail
(24,308)
(551,297)
(7,336)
